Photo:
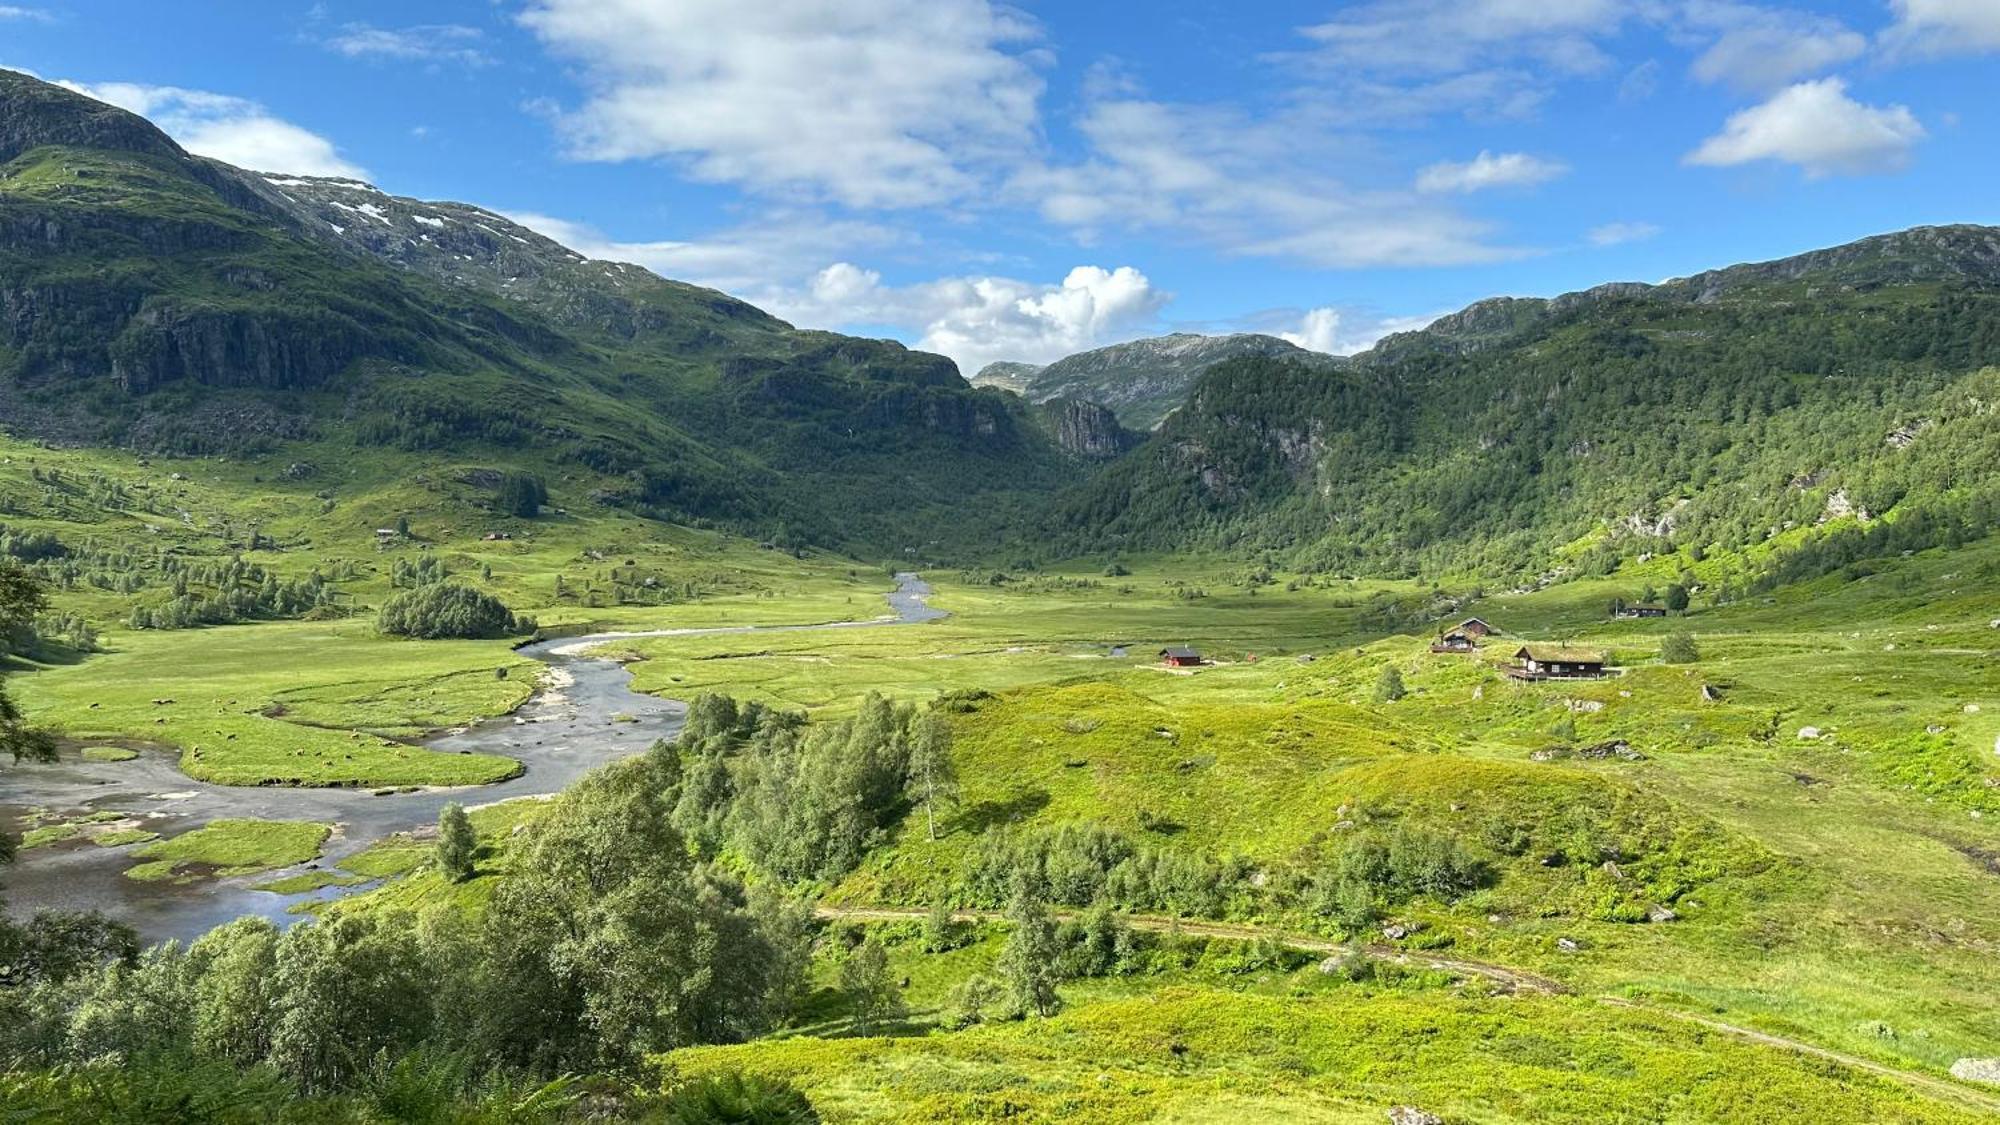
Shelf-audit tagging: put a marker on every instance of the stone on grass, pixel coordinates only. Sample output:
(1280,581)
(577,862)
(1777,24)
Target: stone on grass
(1411,1115)
(1658,913)
(1977,1070)
(1807,734)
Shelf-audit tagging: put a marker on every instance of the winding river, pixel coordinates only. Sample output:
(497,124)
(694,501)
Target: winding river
(584,715)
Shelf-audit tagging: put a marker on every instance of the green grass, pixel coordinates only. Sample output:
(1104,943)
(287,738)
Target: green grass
(309,881)
(225,848)
(1211,1054)
(108,754)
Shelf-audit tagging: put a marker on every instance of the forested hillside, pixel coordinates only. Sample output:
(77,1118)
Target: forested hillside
(1848,390)
(169,303)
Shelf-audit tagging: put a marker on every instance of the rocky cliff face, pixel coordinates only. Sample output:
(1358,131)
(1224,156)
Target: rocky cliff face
(1087,430)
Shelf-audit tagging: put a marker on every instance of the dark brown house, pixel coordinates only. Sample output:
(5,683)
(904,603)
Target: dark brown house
(1557,662)
(1475,628)
(1457,642)
(1637,611)
(1181,658)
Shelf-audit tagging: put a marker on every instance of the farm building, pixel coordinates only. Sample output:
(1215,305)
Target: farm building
(1639,611)
(1456,642)
(1475,628)
(1181,658)
(1557,662)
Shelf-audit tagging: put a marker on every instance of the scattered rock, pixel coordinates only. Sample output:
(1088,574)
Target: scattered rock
(1610,867)
(1970,708)
(1808,734)
(1986,1071)
(1935,728)
(1585,706)
(1657,913)
(1411,1115)
(1397,931)
(1568,945)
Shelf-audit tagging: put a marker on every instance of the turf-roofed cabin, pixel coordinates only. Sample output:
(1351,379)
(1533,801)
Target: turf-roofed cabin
(1557,662)
(1181,658)
(1456,641)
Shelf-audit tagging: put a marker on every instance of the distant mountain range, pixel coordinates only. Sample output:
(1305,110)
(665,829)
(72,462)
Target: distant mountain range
(1142,381)
(160,301)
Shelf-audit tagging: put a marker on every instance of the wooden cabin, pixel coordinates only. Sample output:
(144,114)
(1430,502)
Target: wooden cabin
(1557,662)
(1639,611)
(1457,642)
(1475,628)
(1181,658)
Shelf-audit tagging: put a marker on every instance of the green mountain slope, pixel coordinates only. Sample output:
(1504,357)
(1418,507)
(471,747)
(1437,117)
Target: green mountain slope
(1844,391)
(160,301)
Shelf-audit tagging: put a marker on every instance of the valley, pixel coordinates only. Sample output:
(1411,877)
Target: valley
(450,679)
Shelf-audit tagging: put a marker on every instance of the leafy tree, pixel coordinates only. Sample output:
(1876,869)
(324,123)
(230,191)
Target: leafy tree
(347,989)
(522,495)
(1677,598)
(1027,964)
(974,997)
(1389,686)
(940,929)
(448,610)
(457,844)
(1679,648)
(871,992)
(594,946)
(22,598)
(933,778)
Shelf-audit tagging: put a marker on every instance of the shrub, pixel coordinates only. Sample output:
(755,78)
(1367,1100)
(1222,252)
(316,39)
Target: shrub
(1679,648)
(449,610)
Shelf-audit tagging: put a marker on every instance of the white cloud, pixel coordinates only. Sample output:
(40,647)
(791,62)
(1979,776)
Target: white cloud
(1319,331)
(14,12)
(1944,27)
(1816,126)
(1761,49)
(974,319)
(756,260)
(1253,185)
(1618,234)
(979,319)
(869,102)
(423,43)
(1446,36)
(1489,170)
(234,130)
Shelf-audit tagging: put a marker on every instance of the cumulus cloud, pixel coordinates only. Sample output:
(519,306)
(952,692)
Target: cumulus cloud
(1489,170)
(454,43)
(1618,234)
(1318,331)
(231,129)
(871,103)
(977,320)
(1944,27)
(15,12)
(1816,126)
(1762,49)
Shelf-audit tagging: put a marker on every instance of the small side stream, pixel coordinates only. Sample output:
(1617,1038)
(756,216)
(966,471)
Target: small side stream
(574,724)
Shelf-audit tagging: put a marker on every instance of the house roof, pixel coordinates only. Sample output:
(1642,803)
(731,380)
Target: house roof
(1180,654)
(1561,654)
(1479,621)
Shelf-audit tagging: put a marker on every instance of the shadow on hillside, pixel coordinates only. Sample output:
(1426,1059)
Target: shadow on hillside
(989,814)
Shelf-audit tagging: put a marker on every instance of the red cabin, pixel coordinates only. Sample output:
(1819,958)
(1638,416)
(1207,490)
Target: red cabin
(1181,658)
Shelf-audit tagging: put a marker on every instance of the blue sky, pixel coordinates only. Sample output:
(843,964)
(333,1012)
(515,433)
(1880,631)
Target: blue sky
(1022,181)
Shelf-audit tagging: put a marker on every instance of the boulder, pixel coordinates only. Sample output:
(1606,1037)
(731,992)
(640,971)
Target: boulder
(1658,913)
(1411,1115)
(1807,734)
(1568,945)
(1986,1071)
